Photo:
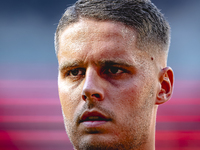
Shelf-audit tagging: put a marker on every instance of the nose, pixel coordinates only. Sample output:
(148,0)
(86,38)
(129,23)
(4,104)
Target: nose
(93,86)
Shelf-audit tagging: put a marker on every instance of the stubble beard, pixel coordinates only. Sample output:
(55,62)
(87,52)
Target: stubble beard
(133,141)
(136,138)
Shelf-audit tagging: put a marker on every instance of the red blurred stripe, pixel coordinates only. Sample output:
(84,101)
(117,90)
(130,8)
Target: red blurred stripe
(177,135)
(55,101)
(183,101)
(53,119)
(31,119)
(29,101)
(178,119)
(37,135)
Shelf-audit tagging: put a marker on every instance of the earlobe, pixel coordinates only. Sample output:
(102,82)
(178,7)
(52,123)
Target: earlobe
(166,81)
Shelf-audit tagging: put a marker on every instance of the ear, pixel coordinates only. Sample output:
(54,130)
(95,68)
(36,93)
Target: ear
(166,81)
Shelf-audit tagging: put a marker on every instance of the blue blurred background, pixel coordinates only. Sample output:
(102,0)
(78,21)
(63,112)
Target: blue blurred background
(30,113)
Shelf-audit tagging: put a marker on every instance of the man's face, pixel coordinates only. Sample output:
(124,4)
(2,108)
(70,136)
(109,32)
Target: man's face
(107,87)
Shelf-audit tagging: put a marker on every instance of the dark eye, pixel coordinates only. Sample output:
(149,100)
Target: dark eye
(113,70)
(76,72)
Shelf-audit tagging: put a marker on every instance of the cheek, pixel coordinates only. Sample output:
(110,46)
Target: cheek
(134,105)
(132,96)
(69,99)
(131,93)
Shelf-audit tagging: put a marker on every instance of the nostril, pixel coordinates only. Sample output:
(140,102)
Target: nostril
(96,95)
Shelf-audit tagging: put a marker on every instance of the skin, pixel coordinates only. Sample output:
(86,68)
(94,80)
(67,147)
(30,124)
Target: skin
(101,69)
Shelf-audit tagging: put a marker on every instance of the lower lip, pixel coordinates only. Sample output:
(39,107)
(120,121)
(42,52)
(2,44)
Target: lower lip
(93,123)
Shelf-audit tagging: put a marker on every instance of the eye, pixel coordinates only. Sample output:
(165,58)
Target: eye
(76,72)
(113,71)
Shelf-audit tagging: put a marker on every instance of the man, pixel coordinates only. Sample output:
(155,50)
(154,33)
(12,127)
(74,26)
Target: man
(113,73)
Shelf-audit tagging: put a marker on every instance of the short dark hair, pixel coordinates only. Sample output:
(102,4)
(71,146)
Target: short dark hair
(142,15)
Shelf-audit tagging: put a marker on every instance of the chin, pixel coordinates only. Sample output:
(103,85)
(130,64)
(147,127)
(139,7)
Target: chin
(102,142)
(94,142)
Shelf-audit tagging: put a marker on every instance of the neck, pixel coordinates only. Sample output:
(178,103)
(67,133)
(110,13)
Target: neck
(150,145)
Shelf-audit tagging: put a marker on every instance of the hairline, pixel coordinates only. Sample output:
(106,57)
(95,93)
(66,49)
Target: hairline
(138,44)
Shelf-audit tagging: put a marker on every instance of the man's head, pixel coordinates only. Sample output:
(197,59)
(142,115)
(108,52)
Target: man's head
(112,72)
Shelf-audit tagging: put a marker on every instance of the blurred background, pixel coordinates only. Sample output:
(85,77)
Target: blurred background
(30,112)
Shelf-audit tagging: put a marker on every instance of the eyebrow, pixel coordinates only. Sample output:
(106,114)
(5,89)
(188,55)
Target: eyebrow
(116,62)
(69,64)
(77,63)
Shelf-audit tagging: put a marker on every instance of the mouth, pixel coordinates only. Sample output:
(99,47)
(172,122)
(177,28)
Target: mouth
(93,119)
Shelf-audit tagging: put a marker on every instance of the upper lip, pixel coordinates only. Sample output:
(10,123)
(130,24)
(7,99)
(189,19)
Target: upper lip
(93,116)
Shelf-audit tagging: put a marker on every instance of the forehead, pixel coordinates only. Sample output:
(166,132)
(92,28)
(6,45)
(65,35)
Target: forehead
(86,28)
(90,40)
